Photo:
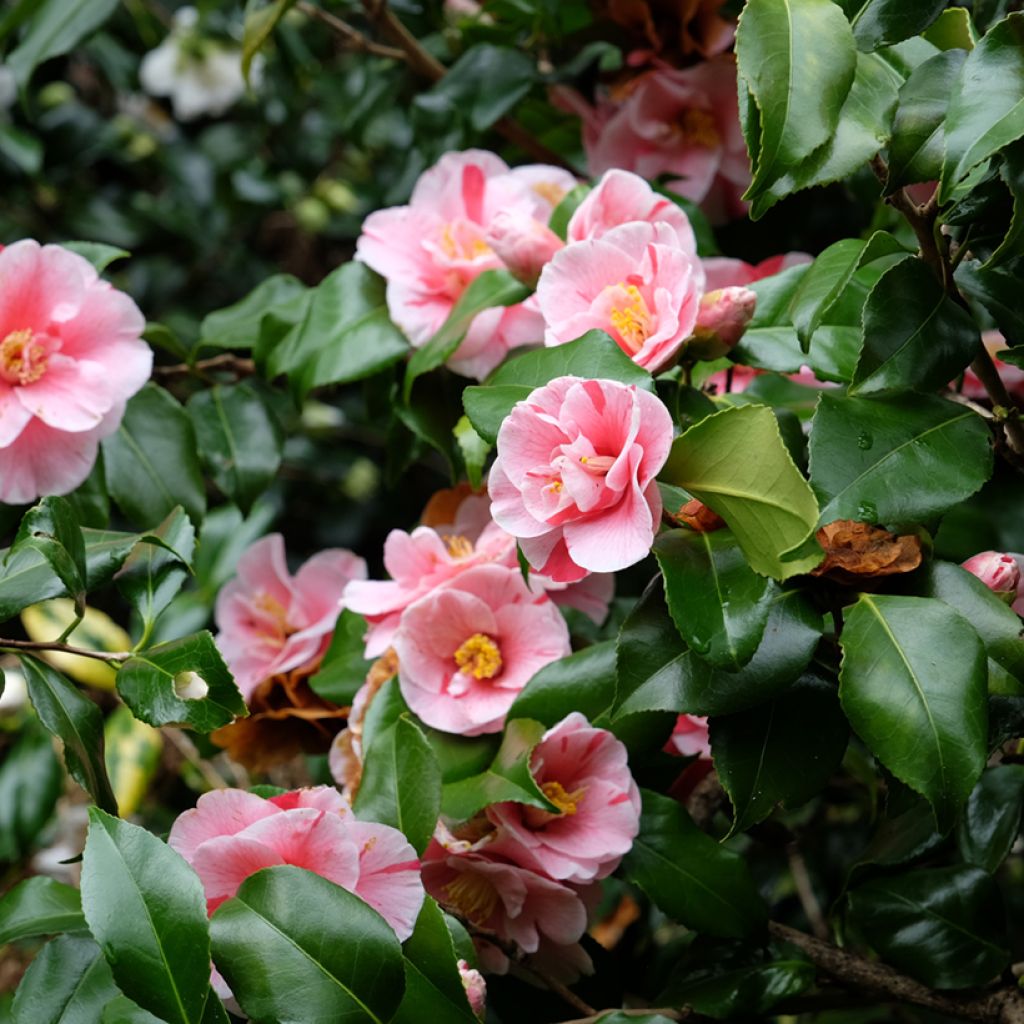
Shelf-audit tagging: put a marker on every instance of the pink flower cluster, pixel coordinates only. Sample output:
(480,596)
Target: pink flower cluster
(71,356)
(528,874)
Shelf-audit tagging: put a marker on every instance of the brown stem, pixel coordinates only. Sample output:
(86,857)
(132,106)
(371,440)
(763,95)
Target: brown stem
(236,364)
(352,36)
(805,891)
(190,753)
(55,645)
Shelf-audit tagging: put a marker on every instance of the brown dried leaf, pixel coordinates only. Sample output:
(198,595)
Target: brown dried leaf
(856,551)
(696,515)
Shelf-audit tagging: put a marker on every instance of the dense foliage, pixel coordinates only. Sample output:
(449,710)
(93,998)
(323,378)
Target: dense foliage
(511,510)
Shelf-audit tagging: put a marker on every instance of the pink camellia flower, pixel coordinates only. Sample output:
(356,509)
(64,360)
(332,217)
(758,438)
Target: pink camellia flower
(678,122)
(270,621)
(998,571)
(231,834)
(721,320)
(574,479)
(636,282)
(725,272)
(524,246)
(468,648)
(71,356)
(475,986)
(431,250)
(584,772)
(621,197)
(690,737)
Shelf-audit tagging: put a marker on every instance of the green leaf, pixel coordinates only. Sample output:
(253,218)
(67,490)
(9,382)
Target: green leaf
(69,982)
(151,463)
(433,985)
(895,461)
(121,1010)
(689,876)
(77,722)
(240,440)
(31,781)
(718,603)
(986,107)
(736,463)
(782,752)
(508,778)
(943,926)
(161,688)
(492,288)
(562,213)
(1012,173)
(474,450)
(21,148)
(280,297)
(52,529)
(594,355)
(146,908)
(343,668)
(55,27)
(998,290)
(345,335)
(991,819)
(98,254)
(918,132)
(912,685)
(916,338)
(744,991)
(260,22)
(797,59)
(39,906)
(952,30)
(401,782)
(658,673)
(880,23)
(327,948)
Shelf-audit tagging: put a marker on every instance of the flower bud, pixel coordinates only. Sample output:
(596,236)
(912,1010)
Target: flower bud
(997,570)
(721,320)
(475,986)
(524,246)
(699,517)
(190,686)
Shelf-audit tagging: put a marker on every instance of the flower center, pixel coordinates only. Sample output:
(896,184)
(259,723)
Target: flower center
(549,192)
(458,546)
(697,127)
(22,358)
(567,803)
(630,316)
(473,895)
(479,657)
(276,623)
(597,464)
(457,243)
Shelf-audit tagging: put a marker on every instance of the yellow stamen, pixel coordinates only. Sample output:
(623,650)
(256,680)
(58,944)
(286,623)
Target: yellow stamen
(567,803)
(473,895)
(698,127)
(458,546)
(549,191)
(457,249)
(632,319)
(280,629)
(479,657)
(22,359)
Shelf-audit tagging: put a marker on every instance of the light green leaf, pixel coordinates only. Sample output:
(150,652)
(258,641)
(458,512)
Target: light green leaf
(54,28)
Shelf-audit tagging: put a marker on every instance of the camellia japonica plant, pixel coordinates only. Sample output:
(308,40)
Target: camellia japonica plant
(511,514)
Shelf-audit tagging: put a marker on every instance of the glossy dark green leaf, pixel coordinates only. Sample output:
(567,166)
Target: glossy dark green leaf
(562,213)
(182,682)
(986,107)
(719,604)
(781,752)
(98,254)
(343,669)
(54,28)
(797,59)
(991,819)
(750,990)
(998,290)
(485,83)
(327,947)
(146,908)
(69,982)
(1012,173)
(474,450)
(121,1010)
(905,832)
(52,529)
(916,338)
(913,687)
(689,876)
(896,460)
(918,132)
(151,463)
(238,326)
(594,354)
(878,23)
(240,440)
(943,926)
(260,22)
(492,288)
(77,722)
(31,781)
(433,985)
(39,906)
(736,463)
(401,782)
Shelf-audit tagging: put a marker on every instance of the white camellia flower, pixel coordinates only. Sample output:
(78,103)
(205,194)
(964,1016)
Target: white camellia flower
(201,76)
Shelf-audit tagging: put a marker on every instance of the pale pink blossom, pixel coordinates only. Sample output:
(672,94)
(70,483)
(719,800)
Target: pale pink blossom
(621,197)
(721,320)
(636,283)
(725,272)
(584,772)
(690,737)
(682,123)
(71,356)
(467,648)
(475,986)
(272,622)
(997,570)
(524,246)
(231,834)
(574,479)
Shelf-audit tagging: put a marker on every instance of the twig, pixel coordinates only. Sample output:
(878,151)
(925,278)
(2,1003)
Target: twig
(188,750)
(352,36)
(805,891)
(237,364)
(62,648)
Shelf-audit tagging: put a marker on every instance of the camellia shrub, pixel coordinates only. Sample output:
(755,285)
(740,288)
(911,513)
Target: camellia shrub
(510,514)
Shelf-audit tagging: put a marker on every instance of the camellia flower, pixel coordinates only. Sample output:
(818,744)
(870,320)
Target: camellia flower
(271,622)
(636,282)
(725,272)
(475,986)
(468,648)
(524,246)
(201,76)
(231,834)
(431,250)
(574,479)
(584,772)
(997,570)
(690,737)
(71,355)
(721,320)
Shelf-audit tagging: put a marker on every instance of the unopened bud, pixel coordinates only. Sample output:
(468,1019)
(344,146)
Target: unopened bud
(523,245)
(190,686)
(696,515)
(475,986)
(721,320)
(998,571)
